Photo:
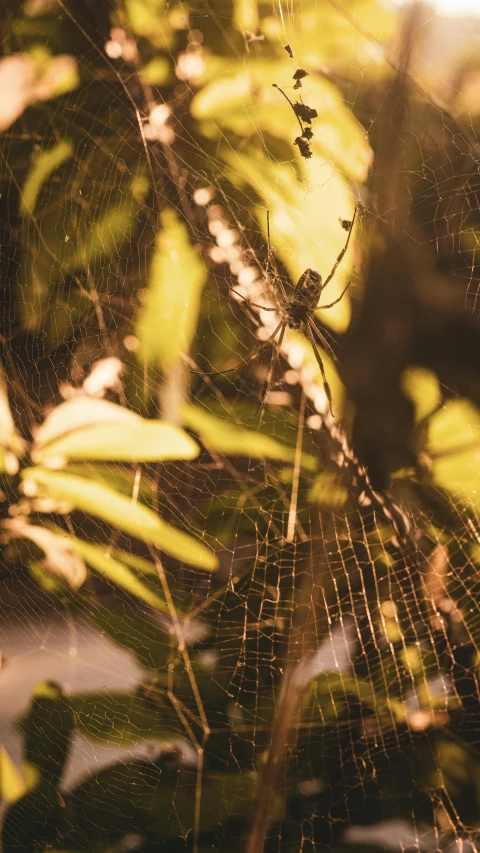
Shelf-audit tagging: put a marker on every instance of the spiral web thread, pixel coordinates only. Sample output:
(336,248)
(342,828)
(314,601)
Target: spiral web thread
(333,657)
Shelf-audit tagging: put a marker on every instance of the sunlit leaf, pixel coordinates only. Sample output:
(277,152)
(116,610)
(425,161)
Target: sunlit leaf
(327,491)
(176,279)
(141,441)
(99,558)
(122,479)
(27,77)
(120,512)
(228,438)
(44,164)
(455,427)
(138,563)
(12,785)
(454,445)
(330,46)
(147,19)
(44,580)
(60,558)
(304,227)
(245,102)
(157,71)
(79,412)
(11,445)
(422,387)
(459,474)
(246,15)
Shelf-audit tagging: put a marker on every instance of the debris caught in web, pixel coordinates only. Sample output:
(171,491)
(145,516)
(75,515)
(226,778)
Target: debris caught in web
(305,116)
(300,73)
(303,112)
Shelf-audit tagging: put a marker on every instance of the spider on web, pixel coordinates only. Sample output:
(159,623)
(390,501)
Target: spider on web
(296,313)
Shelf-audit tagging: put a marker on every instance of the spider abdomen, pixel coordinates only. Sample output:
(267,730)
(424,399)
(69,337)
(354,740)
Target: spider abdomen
(305,299)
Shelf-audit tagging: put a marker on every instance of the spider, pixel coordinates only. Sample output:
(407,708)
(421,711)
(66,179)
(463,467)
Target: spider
(296,313)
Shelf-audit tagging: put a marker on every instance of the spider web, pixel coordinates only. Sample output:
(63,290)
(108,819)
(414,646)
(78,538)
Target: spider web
(319,690)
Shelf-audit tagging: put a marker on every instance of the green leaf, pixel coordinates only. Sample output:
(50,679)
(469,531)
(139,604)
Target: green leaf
(122,479)
(48,727)
(176,279)
(129,629)
(423,388)
(124,718)
(147,19)
(225,437)
(454,445)
(44,580)
(304,227)
(458,474)
(107,234)
(327,491)
(142,441)
(120,512)
(455,427)
(60,559)
(34,276)
(44,163)
(99,558)
(72,236)
(80,412)
(331,44)
(245,103)
(12,785)
(32,823)
(157,71)
(138,563)
(11,445)
(160,806)
(246,15)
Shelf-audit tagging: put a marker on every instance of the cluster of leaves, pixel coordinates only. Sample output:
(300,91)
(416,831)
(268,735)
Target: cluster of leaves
(84,506)
(82,496)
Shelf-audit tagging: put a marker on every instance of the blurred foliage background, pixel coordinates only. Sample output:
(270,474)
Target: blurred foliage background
(297,592)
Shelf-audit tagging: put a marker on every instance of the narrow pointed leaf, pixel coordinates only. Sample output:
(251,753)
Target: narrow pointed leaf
(12,785)
(228,438)
(99,558)
(44,164)
(177,276)
(81,412)
(142,441)
(48,728)
(123,513)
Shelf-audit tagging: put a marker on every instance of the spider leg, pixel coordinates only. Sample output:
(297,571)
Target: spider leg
(321,338)
(262,307)
(273,362)
(334,268)
(335,301)
(242,363)
(322,369)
